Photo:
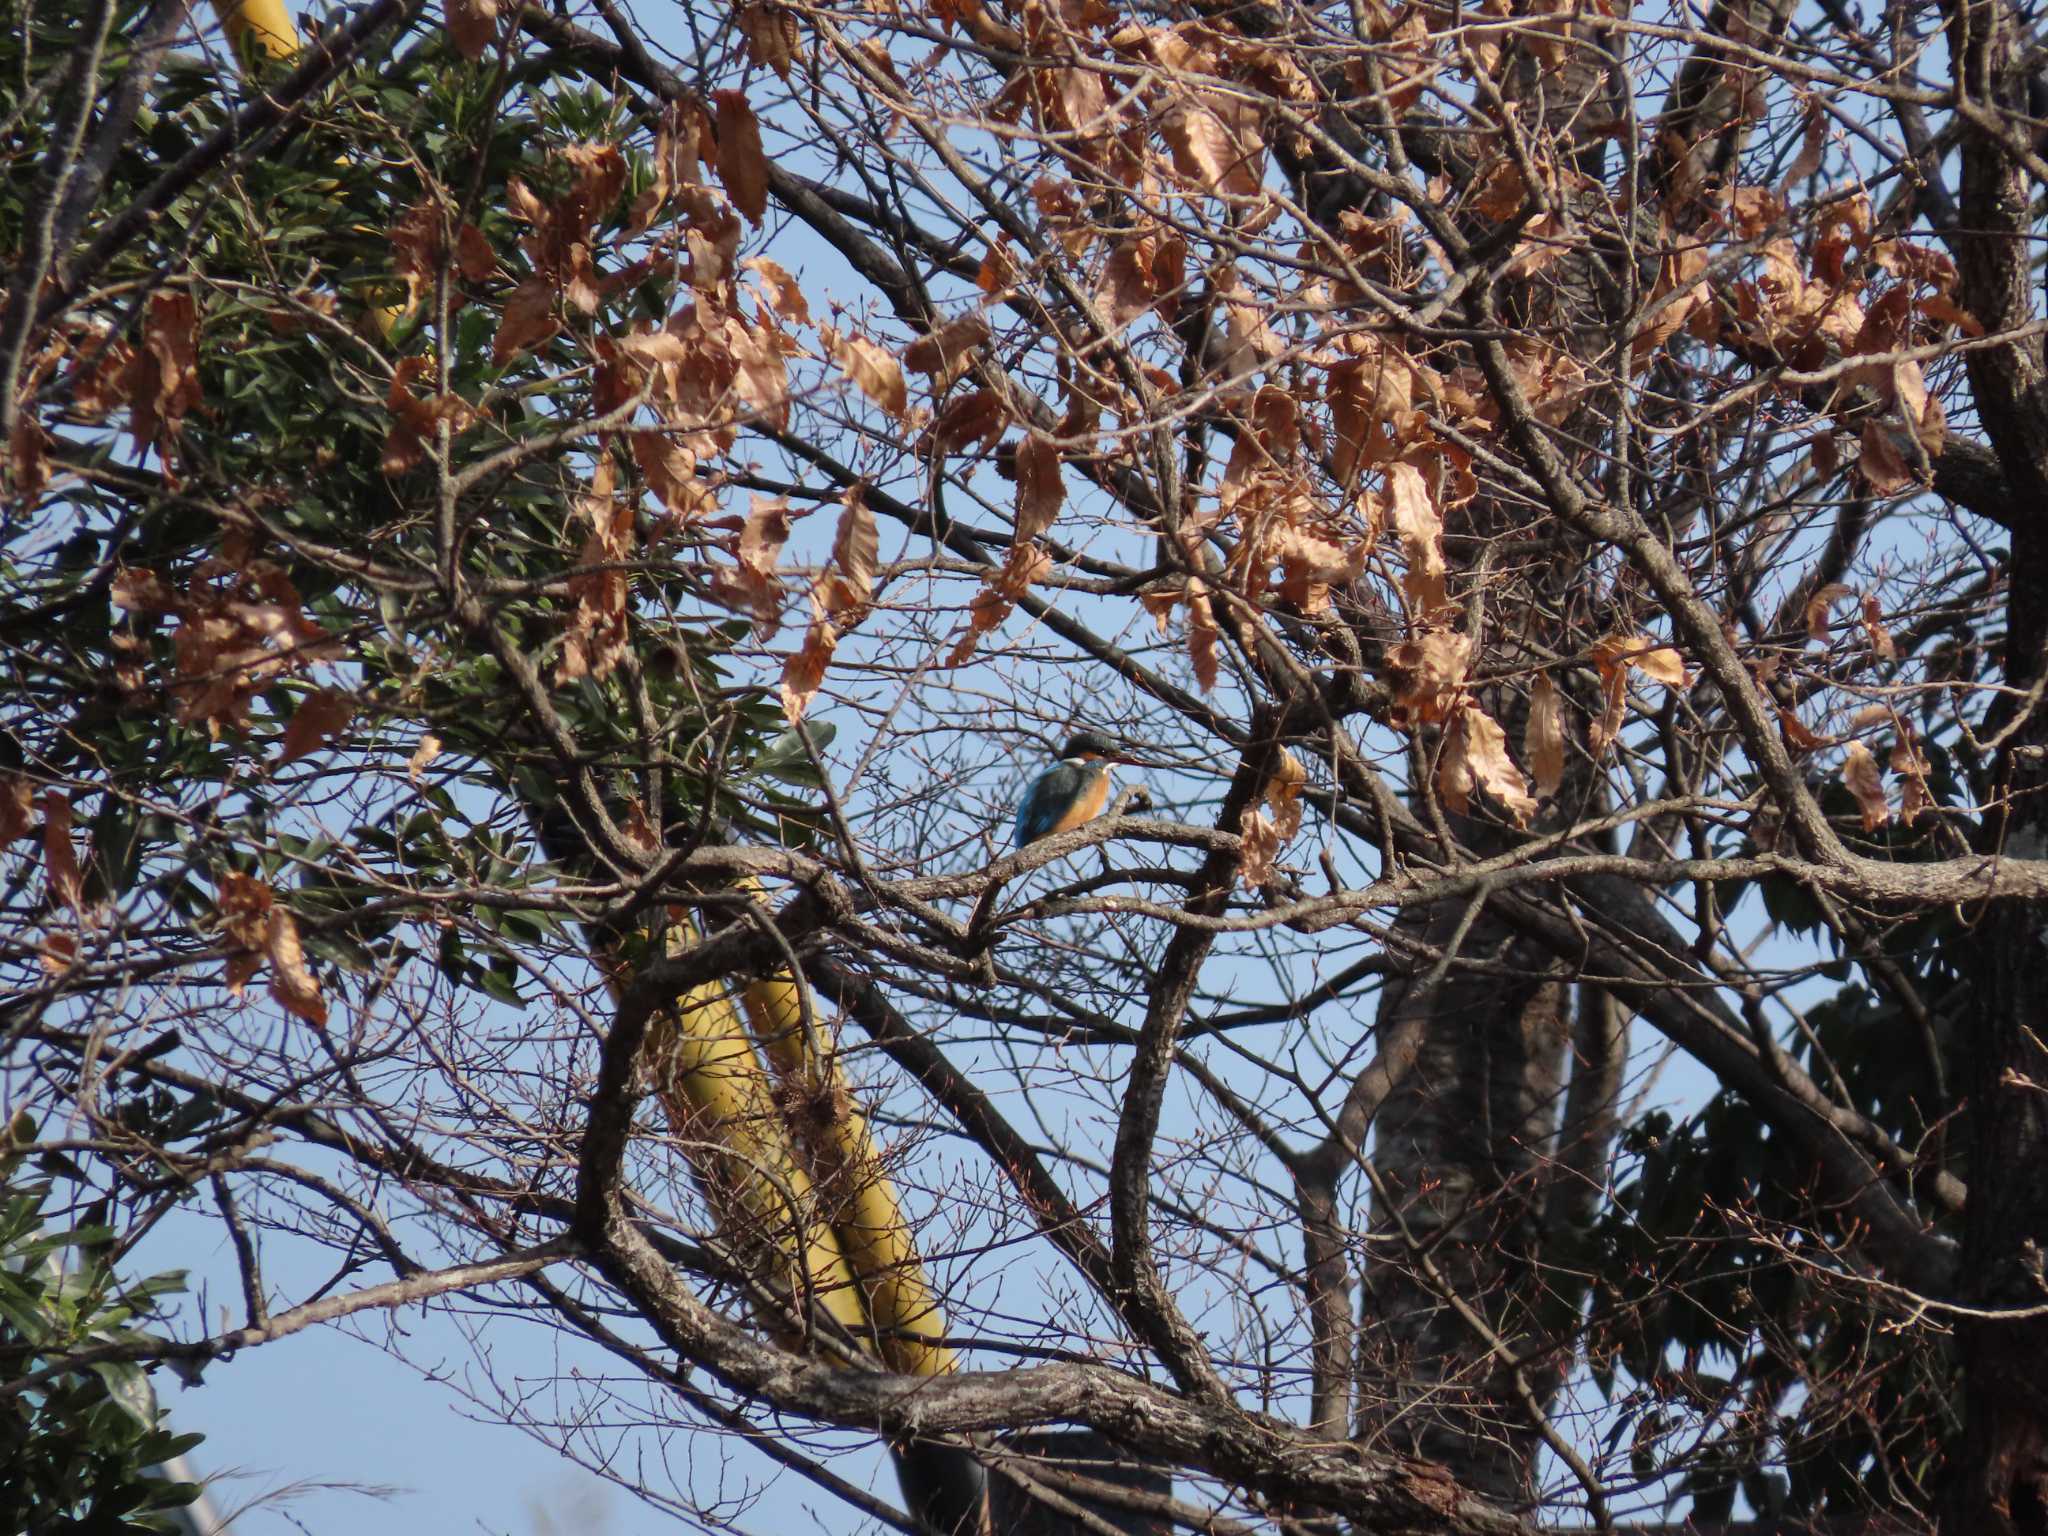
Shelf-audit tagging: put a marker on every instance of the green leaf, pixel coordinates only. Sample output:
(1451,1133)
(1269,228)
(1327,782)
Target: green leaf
(129,1389)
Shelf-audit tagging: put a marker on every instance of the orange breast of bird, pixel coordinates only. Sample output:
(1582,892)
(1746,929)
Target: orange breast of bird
(1089,803)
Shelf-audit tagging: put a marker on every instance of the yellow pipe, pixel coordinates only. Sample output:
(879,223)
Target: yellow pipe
(860,1200)
(719,1100)
(263,26)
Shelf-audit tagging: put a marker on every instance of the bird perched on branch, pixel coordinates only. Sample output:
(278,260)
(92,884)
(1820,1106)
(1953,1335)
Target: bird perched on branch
(1070,792)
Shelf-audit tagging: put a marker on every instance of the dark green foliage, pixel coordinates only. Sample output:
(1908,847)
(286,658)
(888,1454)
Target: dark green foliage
(78,1446)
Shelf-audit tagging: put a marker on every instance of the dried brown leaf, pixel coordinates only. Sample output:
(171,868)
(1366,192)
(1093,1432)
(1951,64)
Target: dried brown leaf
(292,982)
(945,351)
(17,808)
(142,591)
(1202,633)
(1910,764)
(1818,608)
(977,418)
(1544,743)
(1421,532)
(473,26)
(670,470)
(1797,735)
(804,672)
(772,36)
(780,291)
(1283,794)
(1475,756)
(320,716)
(742,163)
(526,320)
(162,383)
(57,953)
(60,858)
(871,368)
(850,584)
(1865,780)
(1427,672)
(752,582)
(1882,465)
(1040,490)
(1259,841)
(243,908)
(678,152)
(1880,638)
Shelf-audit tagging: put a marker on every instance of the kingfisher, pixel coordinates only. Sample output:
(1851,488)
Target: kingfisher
(1071,791)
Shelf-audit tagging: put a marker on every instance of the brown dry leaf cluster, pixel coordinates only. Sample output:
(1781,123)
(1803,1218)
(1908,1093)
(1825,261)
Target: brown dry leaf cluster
(1869,618)
(700,373)
(773,37)
(1283,526)
(1270,826)
(839,598)
(1428,673)
(1200,95)
(416,421)
(596,636)
(560,247)
(263,931)
(422,249)
(751,582)
(242,628)
(1614,658)
(157,382)
(472,26)
(1858,295)
(318,718)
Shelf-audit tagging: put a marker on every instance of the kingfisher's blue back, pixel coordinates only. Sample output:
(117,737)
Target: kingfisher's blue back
(1068,793)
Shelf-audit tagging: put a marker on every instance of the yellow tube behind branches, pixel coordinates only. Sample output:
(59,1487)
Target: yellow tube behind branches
(259,27)
(264,29)
(859,1199)
(719,1100)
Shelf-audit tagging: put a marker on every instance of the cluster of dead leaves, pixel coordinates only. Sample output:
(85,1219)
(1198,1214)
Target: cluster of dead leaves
(248,912)
(1203,90)
(423,245)
(1270,825)
(596,637)
(415,421)
(1614,658)
(840,595)
(1429,673)
(242,627)
(262,930)
(156,381)
(1288,542)
(1814,310)
(1035,466)
(63,879)
(1869,618)
(1864,779)
(560,246)
(472,26)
